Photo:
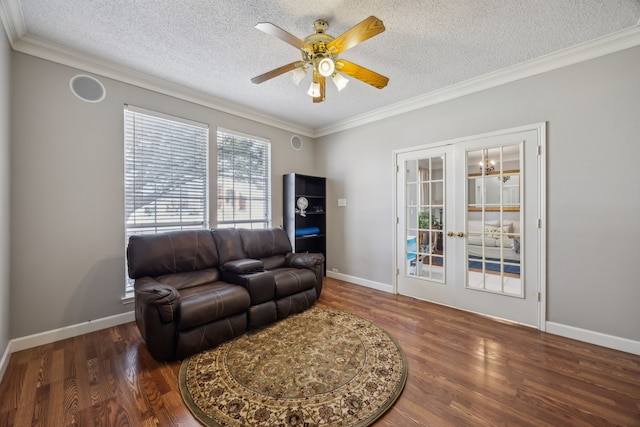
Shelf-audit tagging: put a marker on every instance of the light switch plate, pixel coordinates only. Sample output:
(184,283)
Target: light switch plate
(342,202)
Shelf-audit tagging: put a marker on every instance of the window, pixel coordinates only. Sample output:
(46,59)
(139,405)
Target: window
(244,180)
(165,173)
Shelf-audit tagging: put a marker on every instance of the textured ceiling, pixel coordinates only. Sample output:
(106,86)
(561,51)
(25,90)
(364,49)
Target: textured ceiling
(213,47)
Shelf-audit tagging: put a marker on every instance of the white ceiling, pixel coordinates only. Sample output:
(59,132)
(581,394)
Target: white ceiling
(213,48)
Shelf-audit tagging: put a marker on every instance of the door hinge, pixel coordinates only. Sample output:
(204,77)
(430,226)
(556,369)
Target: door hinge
(539,150)
(539,223)
(397,271)
(397,168)
(539,296)
(397,220)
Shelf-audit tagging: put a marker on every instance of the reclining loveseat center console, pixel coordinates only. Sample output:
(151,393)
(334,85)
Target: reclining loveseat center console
(198,288)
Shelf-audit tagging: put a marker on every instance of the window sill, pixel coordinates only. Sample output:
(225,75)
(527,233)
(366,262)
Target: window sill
(127,298)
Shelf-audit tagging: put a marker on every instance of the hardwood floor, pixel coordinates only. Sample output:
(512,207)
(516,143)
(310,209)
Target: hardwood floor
(464,370)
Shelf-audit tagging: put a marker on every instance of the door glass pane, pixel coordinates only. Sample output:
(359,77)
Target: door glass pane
(424,216)
(494,239)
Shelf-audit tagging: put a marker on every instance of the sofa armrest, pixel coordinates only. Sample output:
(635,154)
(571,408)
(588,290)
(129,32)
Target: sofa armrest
(243,266)
(164,298)
(313,262)
(304,260)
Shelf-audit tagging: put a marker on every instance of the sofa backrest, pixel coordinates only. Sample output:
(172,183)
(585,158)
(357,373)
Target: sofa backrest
(265,243)
(192,250)
(229,244)
(172,252)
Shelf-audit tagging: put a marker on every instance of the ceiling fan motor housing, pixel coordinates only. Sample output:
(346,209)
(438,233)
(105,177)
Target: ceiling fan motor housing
(316,44)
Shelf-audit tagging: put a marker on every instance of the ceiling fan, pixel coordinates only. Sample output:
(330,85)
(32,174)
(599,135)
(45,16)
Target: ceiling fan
(320,55)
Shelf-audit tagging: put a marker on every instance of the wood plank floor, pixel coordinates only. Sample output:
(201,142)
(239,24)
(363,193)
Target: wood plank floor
(464,370)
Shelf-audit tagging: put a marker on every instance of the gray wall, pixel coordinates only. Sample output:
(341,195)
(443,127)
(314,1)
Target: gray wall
(592,111)
(66,207)
(4,191)
(67,241)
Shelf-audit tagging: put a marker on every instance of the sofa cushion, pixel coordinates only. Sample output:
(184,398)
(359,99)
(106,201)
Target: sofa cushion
(496,232)
(265,243)
(290,281)
(474,226)
(206,303)
(477,240)
(190,279)
(491,242)
(171,252)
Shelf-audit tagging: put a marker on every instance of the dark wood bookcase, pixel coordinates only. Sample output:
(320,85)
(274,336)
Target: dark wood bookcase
(306,228)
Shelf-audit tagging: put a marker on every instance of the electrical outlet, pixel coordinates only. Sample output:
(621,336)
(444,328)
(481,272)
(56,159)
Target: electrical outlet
(335,270)
(342,202)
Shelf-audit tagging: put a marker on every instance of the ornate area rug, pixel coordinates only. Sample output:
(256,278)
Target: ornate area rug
(321,367)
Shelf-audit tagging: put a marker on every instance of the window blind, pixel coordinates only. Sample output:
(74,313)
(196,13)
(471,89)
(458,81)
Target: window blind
(244,180)
(165,173)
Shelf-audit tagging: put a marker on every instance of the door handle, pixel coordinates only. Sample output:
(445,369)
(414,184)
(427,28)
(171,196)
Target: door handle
(460,234)
(449,233)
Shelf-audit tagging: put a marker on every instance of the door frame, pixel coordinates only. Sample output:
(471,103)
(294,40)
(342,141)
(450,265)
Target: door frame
(541,208)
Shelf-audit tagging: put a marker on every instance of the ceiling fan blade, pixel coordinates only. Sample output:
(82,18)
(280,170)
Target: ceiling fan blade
(323,81)
(277,32)
(278,71)
(369,77)
(363,31)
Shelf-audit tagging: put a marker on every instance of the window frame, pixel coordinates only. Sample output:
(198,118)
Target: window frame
(165,135)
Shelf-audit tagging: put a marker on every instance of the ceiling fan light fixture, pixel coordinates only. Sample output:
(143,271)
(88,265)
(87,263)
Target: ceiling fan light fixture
(314,90)
(298,74)
(320,53)
(340,81)
(326,67)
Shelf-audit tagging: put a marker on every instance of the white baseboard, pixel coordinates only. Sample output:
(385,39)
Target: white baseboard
(42,338)
(4,362)
(604,340)
(363,282)
(597,338)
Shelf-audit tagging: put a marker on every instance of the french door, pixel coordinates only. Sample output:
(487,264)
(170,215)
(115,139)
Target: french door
(469,218)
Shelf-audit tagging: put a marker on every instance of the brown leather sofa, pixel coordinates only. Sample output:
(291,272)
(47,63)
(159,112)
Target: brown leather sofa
(196,289)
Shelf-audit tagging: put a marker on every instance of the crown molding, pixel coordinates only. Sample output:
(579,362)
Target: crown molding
(612,43)
(13,22)
(42,49)
(20,41)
